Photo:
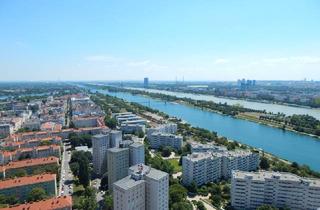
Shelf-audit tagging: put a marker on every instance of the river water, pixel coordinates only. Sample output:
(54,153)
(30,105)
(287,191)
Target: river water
(284,144)
(269,107)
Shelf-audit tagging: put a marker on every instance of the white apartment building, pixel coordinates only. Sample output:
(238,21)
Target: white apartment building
(157,140)
(212,166)
(136,151)
(250,190)
(144,189)
(100,144)
(165,128)
(117,164)
(198,147)
(200,168)
(115,138)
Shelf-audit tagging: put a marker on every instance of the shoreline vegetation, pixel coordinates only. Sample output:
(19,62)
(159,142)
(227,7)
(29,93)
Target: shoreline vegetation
(265,101)
(218,193)
(300,124)
(269,161)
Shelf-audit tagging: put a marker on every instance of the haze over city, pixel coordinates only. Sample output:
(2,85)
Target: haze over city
(162,40)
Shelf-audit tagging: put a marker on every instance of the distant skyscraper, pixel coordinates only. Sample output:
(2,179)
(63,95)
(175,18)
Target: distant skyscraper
(146,82)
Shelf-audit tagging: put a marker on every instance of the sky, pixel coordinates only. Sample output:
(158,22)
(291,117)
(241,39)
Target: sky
(160,39)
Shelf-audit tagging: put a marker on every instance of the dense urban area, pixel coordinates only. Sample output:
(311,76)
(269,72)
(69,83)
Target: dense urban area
(64,146)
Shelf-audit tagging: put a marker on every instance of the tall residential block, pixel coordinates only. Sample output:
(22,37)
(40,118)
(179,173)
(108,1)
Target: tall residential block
(100,144)
(158,139)
(250,190)
(165,128)
(117,164)
(115,138)
(144,188)
(136,153)
(212,166)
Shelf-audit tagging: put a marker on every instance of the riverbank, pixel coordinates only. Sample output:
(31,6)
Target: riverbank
(241,116)
(233,98)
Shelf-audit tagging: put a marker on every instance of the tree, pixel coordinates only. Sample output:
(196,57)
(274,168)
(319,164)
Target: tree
(108,202)
(110,122)
(19,173)
(216,200)
(200,206)
(166,151)
(177,193)
(37,194)
(88,203)
(266,207)
(74,168)
(183,205)
(193,187)
(264,163)
(84,173)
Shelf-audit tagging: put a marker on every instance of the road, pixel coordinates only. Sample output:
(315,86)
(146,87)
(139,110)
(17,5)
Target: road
(66,178)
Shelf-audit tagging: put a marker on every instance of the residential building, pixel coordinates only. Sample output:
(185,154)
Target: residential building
(100,144)
(250,190)
(56,203)
(132,128)
(158,139)
(115,138)
(212,166)
(28,165)
(198,147)
(21,187)
(117,164)
(25,153)
(201,168)
(136,151)
(144,189)
(165,128)
(5,130)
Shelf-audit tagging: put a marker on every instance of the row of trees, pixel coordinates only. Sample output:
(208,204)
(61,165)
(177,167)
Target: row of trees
(79,165)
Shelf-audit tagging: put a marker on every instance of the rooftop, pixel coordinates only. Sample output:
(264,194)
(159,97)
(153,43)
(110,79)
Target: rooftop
(27,180)
(263,175)
(49,204)
(29,163)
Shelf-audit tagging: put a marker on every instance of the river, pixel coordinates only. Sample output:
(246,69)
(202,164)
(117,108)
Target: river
(284,144)
(269,107)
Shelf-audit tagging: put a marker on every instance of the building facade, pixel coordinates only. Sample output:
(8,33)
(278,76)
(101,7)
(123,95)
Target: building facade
(212,166)
(117,164)
(250,190)
(136,151)
(144,188)
(158,139)
(100,144)
(21,187)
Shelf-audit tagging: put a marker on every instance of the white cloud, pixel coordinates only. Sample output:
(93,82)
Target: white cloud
(221,61)
(100,58)
(295,59)
(139,63)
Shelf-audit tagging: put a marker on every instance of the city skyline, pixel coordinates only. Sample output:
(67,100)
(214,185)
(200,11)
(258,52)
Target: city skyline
(208,40)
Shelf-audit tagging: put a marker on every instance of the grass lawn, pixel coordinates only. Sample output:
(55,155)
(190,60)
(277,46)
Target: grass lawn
(175,163)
